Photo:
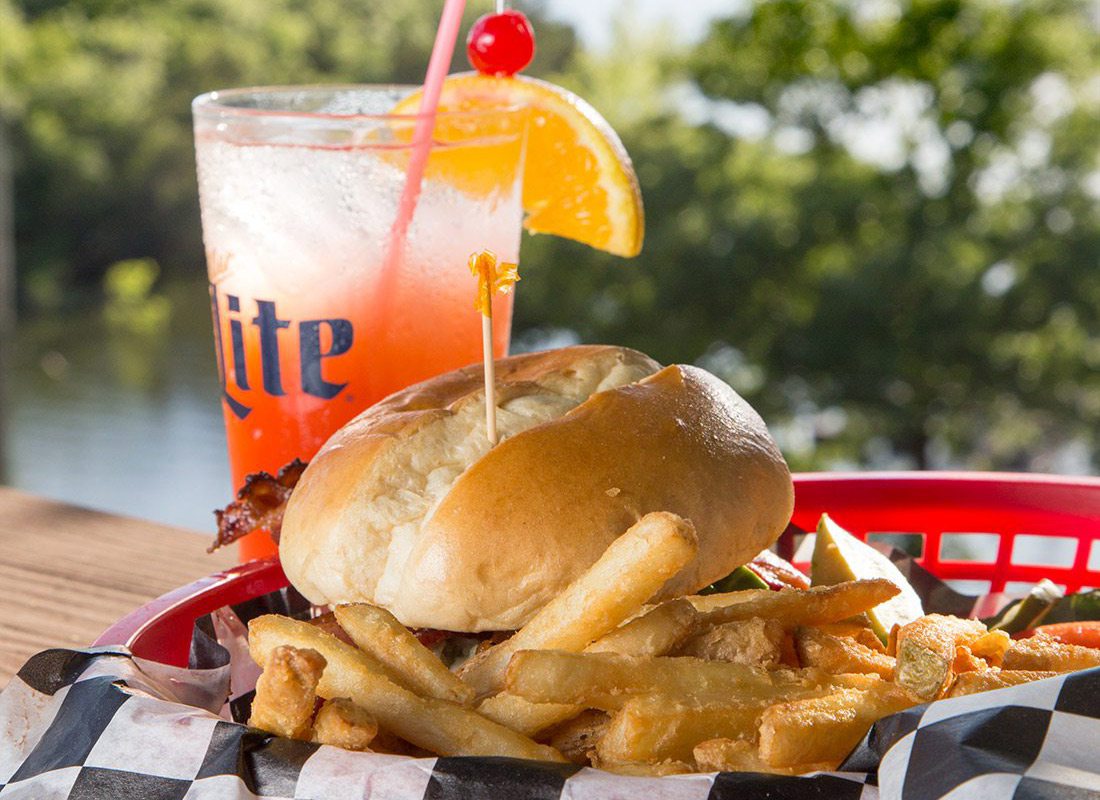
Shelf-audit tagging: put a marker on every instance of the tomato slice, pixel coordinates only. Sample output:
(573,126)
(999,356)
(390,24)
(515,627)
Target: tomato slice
(1085,633)
(777,572)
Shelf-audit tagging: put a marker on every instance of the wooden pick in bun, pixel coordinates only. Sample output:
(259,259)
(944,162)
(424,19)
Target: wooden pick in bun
(408,506)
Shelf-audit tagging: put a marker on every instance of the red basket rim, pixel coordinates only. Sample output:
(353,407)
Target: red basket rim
(950,476)
(1071,499)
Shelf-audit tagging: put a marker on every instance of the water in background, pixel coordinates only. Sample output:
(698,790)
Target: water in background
(117,408)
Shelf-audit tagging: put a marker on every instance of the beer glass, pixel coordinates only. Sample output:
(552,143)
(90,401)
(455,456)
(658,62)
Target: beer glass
(326,294)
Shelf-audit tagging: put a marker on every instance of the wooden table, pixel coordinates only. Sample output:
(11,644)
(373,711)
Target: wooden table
(67,573)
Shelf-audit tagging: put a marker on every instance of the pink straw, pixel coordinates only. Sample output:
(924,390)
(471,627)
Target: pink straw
(445,37)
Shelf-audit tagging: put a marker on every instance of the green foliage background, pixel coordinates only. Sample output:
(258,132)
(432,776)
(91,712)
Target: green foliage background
(880,221)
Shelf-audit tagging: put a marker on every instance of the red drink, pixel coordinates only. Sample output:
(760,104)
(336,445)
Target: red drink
(299,191)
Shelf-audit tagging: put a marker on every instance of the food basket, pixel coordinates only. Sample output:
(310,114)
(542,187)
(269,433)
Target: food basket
(155,710)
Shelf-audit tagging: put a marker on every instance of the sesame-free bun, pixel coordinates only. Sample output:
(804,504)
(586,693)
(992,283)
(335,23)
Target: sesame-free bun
(408,507)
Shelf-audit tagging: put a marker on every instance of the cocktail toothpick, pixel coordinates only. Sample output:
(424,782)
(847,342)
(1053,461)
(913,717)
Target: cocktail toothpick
(492,276)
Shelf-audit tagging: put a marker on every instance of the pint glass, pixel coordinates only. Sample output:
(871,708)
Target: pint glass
(328,291)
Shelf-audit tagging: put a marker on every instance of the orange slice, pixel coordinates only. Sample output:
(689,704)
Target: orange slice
(578,181)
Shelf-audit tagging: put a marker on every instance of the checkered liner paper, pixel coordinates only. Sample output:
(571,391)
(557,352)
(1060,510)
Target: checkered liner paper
(101,724)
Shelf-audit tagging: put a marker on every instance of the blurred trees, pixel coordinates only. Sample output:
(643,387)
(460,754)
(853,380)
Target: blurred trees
(878,220)
(97,94)
(885,231)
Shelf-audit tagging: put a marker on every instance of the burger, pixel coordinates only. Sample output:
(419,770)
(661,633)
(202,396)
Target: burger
(410,507)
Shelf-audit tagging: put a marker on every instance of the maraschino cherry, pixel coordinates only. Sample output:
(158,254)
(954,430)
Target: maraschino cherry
(501,44)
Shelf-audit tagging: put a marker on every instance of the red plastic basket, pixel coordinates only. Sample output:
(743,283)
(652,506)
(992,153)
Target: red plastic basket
(930,505)
(936,505)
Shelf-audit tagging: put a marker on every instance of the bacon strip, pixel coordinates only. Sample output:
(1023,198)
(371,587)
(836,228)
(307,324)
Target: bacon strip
(259,505)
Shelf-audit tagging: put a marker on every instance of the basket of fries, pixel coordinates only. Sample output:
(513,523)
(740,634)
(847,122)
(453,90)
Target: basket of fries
(815,690)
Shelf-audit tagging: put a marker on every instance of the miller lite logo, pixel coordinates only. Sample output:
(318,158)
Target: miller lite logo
(250,334)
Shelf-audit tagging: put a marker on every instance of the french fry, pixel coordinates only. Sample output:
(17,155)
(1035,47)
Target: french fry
(632,569)
(849,629)
(823,730)
(656,728)
(341,723)
(576,738)
(757,642)
(990,679)
(1043,652)
(840,654)
(739,755)
(437,725)
(286,692)
(525,716)
(654,633)
(868,638)
(607,680)
(710,602)
(892,640)
(991,647)
(927,649)
(966,661)
(813,606)
(651,634)
(378,633)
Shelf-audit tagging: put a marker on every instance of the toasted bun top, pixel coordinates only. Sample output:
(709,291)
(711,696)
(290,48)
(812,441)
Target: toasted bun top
(408,507)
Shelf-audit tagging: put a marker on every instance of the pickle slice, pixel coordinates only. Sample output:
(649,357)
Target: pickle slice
(839,557)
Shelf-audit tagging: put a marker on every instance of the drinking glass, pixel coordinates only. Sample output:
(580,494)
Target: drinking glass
(327,294)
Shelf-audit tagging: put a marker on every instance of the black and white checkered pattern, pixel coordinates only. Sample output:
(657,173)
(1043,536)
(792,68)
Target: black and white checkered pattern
(100,724)
(1037,740)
